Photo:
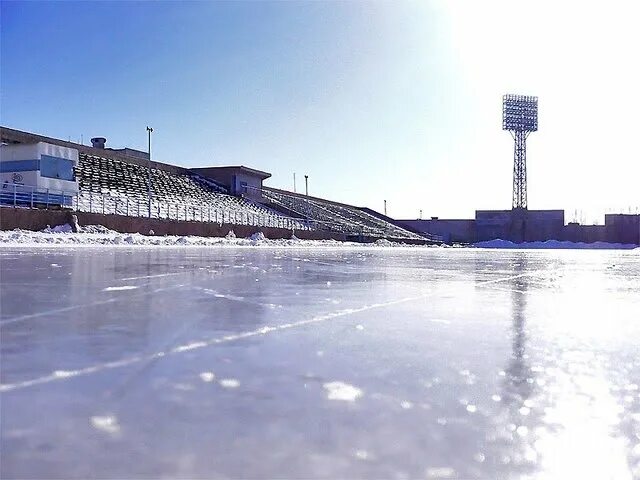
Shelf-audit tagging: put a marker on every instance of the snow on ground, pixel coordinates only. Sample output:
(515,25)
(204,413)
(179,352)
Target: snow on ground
(99,235)
(554,244)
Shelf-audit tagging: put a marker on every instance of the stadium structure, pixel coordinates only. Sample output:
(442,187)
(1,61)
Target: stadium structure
(44,179)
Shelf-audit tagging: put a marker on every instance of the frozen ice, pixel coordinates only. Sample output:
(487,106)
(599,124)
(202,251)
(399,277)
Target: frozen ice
(342,391)
(119,288)
(343,361)
(207,376)
(229,383)
(555,244)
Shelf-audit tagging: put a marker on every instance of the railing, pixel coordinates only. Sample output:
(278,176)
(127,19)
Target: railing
(26,196)
(29,196)
(182,210)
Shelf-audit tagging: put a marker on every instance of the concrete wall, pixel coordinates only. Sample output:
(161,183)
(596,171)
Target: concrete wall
(451,231)
(622,228)
(35,219)
(492,224)
(543,225)
(520,225)
(574,232)
(529,226)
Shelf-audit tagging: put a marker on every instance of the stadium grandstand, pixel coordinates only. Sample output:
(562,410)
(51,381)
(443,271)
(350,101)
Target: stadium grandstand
(125,182)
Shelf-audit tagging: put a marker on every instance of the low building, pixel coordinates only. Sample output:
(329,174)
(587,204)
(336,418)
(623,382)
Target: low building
(238,180)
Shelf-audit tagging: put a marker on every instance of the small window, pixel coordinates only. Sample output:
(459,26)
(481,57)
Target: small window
(53,167)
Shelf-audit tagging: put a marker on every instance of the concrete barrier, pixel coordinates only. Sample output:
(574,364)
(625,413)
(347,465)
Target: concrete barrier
(37,219)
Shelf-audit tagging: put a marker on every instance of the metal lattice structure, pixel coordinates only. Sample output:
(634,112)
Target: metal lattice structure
(520,118)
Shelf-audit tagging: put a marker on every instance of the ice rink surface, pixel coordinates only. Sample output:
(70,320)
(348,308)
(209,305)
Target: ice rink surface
(319,363)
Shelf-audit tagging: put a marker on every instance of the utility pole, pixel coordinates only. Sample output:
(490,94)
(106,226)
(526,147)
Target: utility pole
(150,189)
(306,185)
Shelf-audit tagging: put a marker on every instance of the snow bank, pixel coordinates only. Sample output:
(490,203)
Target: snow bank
(99,235)
(554,244)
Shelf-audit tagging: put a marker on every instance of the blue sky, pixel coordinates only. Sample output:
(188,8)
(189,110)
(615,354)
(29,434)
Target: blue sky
(383,100)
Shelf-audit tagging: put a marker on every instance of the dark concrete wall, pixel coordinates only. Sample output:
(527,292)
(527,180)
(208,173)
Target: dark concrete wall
(492,224)
(622,228)
(451,231)
(520,225)
(541,225)
(35,219)
(584,233)
(530,226)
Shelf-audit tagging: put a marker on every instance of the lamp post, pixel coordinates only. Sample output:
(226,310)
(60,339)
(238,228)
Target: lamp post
(306,185)
(149,131)
(385,207)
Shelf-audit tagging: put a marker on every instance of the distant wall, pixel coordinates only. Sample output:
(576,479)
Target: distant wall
(514,225)
(520,225)
(584,233)
(451,231)
(543,225)
(492,224)
(622,228)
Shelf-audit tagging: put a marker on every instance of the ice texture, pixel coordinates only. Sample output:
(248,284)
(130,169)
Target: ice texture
(358,362)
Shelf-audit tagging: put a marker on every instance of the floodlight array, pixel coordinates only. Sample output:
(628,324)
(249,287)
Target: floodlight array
(520,113)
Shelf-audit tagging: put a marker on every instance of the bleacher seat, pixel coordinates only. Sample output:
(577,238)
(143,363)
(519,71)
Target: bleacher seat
(336,216)
(121,184)
(121,187)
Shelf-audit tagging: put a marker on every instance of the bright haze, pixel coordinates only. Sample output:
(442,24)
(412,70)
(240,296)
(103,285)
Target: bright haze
(374,101)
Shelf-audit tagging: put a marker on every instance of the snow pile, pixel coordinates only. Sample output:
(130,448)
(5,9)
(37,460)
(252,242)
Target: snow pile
(554,244)
(383,242)
(99,235)
(258,237)
(66,228)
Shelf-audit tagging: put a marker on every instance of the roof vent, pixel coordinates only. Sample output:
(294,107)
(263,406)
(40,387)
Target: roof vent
(98,142)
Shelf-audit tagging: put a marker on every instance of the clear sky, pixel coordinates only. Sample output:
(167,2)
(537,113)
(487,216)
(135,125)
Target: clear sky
(373,100)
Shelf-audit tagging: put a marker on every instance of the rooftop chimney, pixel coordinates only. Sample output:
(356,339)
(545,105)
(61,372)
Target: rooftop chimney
(98,142)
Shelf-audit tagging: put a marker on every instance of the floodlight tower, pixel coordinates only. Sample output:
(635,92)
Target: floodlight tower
(520,118)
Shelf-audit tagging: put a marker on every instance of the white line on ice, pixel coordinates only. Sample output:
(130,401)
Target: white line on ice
(83,305)
(117,289)
(152,276)
(66,374)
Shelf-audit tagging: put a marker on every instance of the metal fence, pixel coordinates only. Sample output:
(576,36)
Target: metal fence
(26,196)
(32,197)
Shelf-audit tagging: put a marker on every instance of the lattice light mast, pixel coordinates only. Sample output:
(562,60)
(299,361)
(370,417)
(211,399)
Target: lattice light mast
(520,118)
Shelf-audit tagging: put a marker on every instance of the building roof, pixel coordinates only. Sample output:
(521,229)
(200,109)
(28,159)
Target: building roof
(252,171)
